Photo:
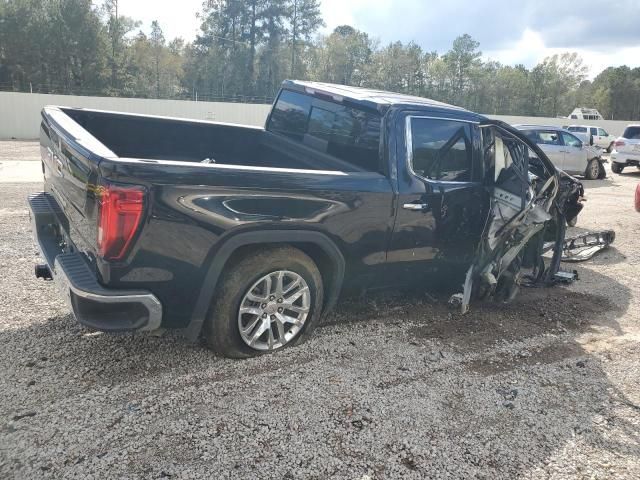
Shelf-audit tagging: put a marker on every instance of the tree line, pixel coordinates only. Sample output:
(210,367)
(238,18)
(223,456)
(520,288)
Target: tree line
(245,48)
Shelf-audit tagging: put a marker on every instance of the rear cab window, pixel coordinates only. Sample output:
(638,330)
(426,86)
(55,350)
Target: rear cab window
(347,133)
(441,150)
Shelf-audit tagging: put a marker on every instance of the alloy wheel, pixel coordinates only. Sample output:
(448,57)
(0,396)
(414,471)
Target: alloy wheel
(273,310)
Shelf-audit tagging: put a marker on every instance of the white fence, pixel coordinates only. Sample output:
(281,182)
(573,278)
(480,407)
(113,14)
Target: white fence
(20,112)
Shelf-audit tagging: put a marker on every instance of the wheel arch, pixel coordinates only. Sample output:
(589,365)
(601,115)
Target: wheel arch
(318,246)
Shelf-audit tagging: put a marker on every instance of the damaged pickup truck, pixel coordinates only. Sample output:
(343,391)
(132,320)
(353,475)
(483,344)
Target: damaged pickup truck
(246,236)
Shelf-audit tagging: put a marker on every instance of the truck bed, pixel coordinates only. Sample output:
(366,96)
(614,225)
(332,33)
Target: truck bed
(163,138)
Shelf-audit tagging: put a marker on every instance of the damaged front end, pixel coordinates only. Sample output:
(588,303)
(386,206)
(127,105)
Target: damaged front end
(530,205)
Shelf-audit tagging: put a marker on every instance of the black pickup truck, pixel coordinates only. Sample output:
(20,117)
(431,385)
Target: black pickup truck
(245,236)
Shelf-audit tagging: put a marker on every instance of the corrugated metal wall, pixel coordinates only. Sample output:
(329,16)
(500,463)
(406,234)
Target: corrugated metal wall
(20,112)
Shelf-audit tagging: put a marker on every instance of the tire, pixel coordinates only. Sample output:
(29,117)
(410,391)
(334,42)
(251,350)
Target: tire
(243,282)
(603,173)
(616,167)
(573,222)
(593,169)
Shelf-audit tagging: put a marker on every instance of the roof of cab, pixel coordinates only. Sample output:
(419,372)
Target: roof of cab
(379,99)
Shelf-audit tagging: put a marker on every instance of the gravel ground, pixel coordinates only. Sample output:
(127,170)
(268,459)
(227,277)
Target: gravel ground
(394,386)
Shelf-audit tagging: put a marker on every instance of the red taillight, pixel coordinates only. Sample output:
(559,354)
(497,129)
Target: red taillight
(619,143)
(121,209)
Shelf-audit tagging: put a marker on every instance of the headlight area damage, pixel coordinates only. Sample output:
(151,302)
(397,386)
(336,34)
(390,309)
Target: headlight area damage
(530,205)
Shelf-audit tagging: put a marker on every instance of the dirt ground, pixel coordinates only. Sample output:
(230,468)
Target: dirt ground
(392,386)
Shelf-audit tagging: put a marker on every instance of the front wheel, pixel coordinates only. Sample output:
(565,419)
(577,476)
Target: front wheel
(593,169)
(616,167)
(268,300)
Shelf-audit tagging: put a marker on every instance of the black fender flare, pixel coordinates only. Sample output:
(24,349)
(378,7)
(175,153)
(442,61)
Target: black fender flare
(224,252)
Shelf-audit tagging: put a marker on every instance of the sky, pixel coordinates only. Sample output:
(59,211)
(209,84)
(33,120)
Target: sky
(604,32)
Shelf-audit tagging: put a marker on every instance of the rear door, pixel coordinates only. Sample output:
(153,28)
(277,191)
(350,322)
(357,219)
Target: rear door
(551,144)
(441,200)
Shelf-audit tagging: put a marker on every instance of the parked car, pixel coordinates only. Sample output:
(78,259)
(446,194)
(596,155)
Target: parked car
(246,235)
(626,149)
(597,136)
(566,151)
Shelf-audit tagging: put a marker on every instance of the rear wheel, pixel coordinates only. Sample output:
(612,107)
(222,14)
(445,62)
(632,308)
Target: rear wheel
(268,300)
(616,167)
(593,169)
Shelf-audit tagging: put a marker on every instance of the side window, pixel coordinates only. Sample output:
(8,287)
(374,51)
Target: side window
(441,149)
(348,134)
(549,138)
(602,132)
(594,131)
(532,135)
(290,114)
(570,140)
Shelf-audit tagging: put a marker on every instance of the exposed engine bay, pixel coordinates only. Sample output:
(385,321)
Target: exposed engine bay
(531,203)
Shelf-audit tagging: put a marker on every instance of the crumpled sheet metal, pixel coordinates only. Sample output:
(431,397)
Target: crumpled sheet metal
(580,248)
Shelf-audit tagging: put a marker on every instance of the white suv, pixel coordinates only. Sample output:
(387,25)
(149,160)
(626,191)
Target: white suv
(626,149)
(599,135)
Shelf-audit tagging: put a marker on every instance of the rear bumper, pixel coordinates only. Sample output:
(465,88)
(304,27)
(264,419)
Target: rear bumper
(624,158)
(92,304)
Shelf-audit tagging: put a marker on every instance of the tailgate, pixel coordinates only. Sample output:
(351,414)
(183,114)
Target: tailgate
(70,157)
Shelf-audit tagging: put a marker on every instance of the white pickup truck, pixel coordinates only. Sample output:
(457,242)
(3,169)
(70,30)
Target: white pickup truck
(593,135)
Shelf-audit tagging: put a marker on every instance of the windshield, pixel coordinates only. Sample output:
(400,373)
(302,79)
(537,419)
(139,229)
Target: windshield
(632,133)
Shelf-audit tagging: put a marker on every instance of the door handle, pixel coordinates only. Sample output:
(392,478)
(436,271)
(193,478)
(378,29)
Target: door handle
(416,207)
(58,163)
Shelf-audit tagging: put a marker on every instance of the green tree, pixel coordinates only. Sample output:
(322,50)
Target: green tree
(461,60)
(157,51)
(343,56)
(118,27)
(305,19)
